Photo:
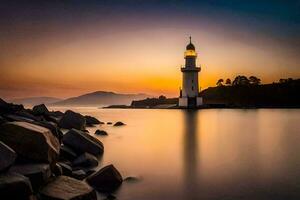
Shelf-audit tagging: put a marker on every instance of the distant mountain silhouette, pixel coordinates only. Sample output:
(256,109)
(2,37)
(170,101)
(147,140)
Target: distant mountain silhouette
(35,100)
(101,98)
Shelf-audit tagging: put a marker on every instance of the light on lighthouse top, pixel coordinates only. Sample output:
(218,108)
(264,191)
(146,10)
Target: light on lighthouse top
(190,50)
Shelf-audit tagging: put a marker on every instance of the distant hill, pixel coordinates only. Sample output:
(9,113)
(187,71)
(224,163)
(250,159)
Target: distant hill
(35,100)
(101,98)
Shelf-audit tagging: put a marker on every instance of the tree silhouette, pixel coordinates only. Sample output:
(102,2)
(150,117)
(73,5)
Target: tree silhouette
(254,80)
(220,82)
(241,80)
(228,81)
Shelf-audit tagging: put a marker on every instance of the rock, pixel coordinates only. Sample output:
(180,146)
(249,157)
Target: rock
(57,114)
(67,153)
(66,169)
(90,121)
(2,120)
(100,132)
(67,188)
(40,109)
(57,170)
(109,123)
(28,115)
(30,141)
(38,174)
(106,179)
(83,142)
(119,124)
(89,171)
(85,160)
(15,186)
(6,108)
(18,118)
(7,155)
(86,131)
(79,174)
(110,197)
(72,120)
(52,127)
(131,179)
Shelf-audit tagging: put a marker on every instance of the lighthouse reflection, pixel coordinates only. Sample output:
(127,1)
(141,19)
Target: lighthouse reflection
(190,152)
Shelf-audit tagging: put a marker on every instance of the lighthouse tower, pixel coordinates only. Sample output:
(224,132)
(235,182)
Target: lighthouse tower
(189,94)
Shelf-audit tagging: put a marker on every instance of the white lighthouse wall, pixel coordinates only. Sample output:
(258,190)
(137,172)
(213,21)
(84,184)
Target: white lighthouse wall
(190,87)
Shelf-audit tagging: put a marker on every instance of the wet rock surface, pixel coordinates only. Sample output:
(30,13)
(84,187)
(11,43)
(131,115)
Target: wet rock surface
(71,120)
(31,141)
(67,188)
(101,132)
(15,186)
(8,156)
(106,179)
(83,142)
(119,123)
(38,174)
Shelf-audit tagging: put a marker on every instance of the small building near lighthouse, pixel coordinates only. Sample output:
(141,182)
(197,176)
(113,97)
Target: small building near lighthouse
(189,92)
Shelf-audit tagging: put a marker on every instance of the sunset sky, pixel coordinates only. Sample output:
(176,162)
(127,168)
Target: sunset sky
(67,48)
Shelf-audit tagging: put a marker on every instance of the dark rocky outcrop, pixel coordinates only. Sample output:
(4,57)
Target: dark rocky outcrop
(67,153)
(66,169)
(79,174)
(7,156)
(109,123)
(15,186)
(83,142)
(119,124)
(30,141)
(40,110)
(101,132)
(85,160)
(7,108)
(71,120)
(90,121)
(67,188)
(106,179)
(38,174)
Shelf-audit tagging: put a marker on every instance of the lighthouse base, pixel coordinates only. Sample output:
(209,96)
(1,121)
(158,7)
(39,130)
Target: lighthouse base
(190,102)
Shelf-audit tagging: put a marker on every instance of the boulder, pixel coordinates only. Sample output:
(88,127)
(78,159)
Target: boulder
(90,121)
(79,174)
(101,132)
(71,120)
(119,124)
(106,179)
(67,188)
(83,142)
(30,141)
(2,120)
(7,155)
(66,169)
(52,127)
(38,173)
(67,153)
(131,179)
(85,160)
(57,114)
(6,108)
(40,109)
(57,170)
(28,115)
(109,123)
(15,186)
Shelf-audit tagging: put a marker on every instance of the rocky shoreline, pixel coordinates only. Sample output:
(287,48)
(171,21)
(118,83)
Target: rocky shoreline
(40,162)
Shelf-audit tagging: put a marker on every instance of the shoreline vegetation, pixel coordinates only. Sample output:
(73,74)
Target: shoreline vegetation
(49,155)
(243,92)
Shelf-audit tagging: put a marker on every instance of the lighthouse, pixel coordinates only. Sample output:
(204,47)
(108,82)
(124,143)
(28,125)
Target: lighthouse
(189,93)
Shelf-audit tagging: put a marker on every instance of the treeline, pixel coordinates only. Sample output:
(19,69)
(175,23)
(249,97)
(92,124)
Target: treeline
(249,92)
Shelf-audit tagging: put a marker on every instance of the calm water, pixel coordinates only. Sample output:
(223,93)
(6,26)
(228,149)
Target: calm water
(207,154)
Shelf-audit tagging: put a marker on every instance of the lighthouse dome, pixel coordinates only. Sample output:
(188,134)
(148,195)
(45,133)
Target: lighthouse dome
(190,46)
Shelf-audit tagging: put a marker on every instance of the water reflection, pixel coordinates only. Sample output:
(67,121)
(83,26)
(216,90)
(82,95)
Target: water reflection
(190,153)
